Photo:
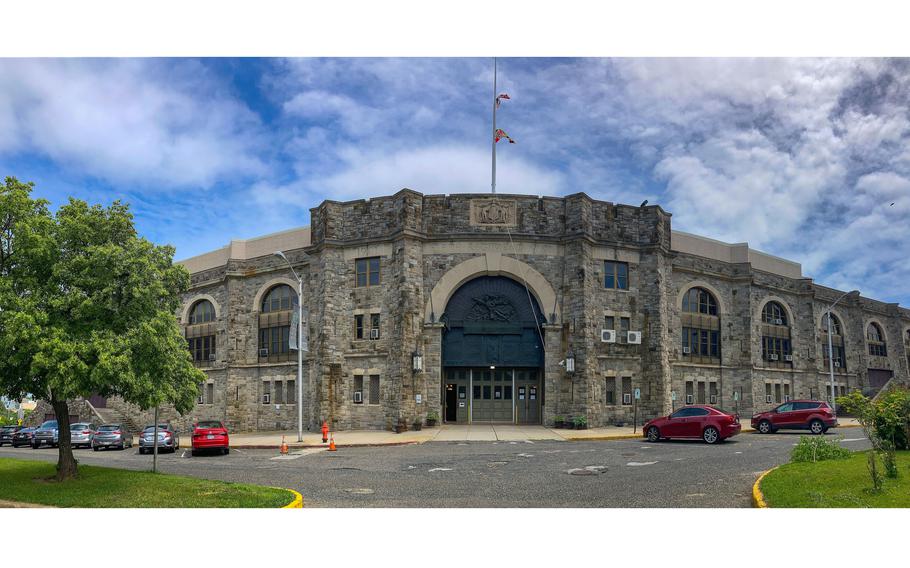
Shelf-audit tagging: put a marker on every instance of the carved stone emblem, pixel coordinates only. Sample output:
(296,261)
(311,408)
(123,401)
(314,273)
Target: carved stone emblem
(493,212)
(491,308)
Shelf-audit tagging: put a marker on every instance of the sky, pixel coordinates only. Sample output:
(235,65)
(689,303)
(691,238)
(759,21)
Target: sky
(802,158)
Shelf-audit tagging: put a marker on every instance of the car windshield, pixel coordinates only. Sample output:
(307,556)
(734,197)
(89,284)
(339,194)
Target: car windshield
(152,428)
(108,428)
(209,424)
(50,424)
(78,426)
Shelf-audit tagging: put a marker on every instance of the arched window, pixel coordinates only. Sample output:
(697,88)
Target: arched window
(700,325)
(200,332)
(774,314)
(875,337)
(837,343)
(275,324)
(777,349)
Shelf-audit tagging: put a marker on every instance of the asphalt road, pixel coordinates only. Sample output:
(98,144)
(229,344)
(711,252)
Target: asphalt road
(621,473)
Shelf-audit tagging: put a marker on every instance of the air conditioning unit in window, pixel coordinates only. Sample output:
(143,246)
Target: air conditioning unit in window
(358,397)
(773,357)
(788,357)
(633,337)
(263,352)
(267,398)
(768,398)
(374,334)
(211,356)
(627,398)
(608,335)
(778,322)
(690,398)
(687,350)
(786,398)
(200,399)
(713,399)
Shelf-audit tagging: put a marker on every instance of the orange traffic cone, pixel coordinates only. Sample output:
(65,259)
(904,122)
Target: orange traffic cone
(332,443)
(284,447)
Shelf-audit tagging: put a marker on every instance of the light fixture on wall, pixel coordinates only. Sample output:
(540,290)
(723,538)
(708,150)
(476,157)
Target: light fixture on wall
(417,362)
(570,362)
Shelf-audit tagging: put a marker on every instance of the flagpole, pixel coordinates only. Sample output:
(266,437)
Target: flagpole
(493,185)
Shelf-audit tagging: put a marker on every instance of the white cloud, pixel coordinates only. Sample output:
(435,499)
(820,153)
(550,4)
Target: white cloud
(128,121)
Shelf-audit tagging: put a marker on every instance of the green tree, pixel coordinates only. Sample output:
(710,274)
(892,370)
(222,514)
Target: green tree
(87,306)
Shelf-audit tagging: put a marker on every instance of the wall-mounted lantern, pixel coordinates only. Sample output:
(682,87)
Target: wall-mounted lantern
(570,362)
(417,362)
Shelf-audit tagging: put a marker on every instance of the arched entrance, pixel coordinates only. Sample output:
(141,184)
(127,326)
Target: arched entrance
(492,353)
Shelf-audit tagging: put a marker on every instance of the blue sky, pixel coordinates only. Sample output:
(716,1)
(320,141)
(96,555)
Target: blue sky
(800,157)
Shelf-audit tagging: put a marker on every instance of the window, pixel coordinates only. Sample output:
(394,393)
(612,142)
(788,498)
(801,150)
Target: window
(609,322)
(358,327)
(876,340)
(775,348)
(367,271)
(358,388)
(279,393)
(837,343)
(835,325)
(203,311)
(699,301)
(610,390)
(627,390)
(275,324)
(266,392)
(690,392)
(785,408)
(701,393)
(616,275)
(374,326)
(374,389)
(700,342)
(210,393)
(292,392)
(777,397)
(768,398)
(202,348)
(624,325)
(773,313)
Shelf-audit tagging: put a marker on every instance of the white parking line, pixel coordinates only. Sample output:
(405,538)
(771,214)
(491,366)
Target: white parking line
(440,469)
(637,464)
(853,440)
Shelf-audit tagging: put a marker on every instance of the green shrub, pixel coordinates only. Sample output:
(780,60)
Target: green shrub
(888,416)
(580,421)
(818,448)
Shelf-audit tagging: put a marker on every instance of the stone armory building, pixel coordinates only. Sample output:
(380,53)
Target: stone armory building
(500,295)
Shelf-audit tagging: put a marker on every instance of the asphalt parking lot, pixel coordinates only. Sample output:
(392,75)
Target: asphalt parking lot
(619,473)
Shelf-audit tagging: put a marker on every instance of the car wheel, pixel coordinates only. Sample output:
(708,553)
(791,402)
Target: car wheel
(141,451)
(35,446)
(227,451)
(711,435)
(96,448)
(764,427)
(817,427)
(653,434)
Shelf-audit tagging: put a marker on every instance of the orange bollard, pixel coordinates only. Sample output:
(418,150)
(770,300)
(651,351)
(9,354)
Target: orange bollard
(325,432)
(284,447)
(332,444)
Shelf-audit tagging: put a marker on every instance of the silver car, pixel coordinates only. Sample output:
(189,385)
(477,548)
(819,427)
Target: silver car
(81,434)
(168,439)
(112,436)
(47,433)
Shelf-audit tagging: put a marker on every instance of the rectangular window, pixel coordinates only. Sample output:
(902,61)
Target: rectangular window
(507,392)
(627,390)
(712,393)
(476,392)
(690,392)
(374,389)
(267,392)
(292,392)
(358,326)
(358,387)
(210,393)
(374,326)
(616,275)
(701,393)
(279,393)
(610,390)
(624,330)
(777,397)
(367,270)
(486,392)
(768,392)
(609,322)
(786,392)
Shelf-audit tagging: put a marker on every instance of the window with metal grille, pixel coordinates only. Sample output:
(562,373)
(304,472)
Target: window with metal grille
(374,389)
(358,387)
(367,270)
(616,275)
(627,390)
(610,390)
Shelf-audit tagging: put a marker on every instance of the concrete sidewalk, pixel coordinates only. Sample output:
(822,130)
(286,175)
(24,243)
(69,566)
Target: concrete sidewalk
(449,433)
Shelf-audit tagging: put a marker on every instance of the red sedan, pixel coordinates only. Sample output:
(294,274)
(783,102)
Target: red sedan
(695,421)
(210,435)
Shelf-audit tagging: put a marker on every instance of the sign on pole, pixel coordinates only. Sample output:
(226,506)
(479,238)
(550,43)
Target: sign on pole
(673,396)
(637,394)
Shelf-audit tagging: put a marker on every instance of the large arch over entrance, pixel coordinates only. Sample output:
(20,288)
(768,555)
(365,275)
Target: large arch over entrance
(492,353)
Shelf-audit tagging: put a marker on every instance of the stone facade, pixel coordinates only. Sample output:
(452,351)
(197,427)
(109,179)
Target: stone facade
(428,245)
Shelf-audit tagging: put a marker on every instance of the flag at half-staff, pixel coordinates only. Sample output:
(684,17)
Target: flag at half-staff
(500,134)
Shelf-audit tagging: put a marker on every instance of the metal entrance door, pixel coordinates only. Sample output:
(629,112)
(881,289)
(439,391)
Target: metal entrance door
(492,395)
(527,400)
(457,407)
(451,400)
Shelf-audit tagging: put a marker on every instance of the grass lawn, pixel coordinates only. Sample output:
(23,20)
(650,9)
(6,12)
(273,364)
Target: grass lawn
(28,481)
(836,483)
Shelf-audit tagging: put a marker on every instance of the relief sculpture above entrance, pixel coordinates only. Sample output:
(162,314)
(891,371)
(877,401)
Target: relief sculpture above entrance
(493,212)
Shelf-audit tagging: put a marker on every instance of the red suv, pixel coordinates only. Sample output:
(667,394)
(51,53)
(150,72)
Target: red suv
(696,421)
(813,415)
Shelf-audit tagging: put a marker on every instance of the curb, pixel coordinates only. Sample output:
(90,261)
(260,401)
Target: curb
(604,438)
(297,503)
(310,446)
(758,498)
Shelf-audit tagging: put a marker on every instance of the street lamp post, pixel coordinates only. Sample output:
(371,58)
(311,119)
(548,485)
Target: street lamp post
(299,350)
(831,348)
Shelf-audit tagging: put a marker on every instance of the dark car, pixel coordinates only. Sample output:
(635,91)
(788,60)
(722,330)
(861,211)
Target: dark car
(24,437)
(112,436)
(168,439)
(812,415)
(696,421)
(6,434)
